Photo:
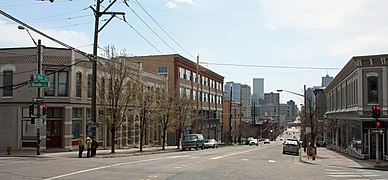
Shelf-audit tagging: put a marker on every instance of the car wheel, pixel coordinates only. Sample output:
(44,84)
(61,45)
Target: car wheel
(250,144)
(189,149)
(214,146)
(257,144)
(196,147)
(284,152)
(183,149)
(203,147)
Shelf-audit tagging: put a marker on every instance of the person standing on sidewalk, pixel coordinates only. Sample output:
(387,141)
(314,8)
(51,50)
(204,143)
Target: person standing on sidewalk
(80,145)
(94,147)
(88,146)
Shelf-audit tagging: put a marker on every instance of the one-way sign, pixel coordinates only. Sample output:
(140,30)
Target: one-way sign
(377,131)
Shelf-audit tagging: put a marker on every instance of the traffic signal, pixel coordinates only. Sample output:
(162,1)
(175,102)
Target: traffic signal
(378,123)
(44,109)
(376,112)
(31,109)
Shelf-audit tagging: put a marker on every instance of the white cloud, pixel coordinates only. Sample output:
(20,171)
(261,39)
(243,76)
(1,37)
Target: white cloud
(185,1)
(370,43)
(171,5)
(11,36)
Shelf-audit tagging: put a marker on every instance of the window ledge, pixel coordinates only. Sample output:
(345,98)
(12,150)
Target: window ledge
(7,97)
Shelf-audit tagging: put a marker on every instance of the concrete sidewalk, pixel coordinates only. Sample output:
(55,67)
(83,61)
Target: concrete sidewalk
(101,153)
(332,158)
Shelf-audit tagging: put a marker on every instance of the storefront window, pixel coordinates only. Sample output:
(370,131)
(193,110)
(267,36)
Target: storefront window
(76,122)
(28,130)
(100,131)
(354,135)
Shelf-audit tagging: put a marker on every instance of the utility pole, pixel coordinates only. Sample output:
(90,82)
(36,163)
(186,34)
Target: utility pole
(197,98)
(38,96)
(230,114)
(97,29)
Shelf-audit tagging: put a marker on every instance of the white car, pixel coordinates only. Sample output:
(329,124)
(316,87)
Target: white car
(266,141)
(211,143)
(253,142)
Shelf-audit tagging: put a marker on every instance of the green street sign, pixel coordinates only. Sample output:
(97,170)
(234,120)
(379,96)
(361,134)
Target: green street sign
(40,77)
(38,84)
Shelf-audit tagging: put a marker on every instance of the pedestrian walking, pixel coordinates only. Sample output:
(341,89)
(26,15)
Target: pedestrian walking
(88,146)
(81,146)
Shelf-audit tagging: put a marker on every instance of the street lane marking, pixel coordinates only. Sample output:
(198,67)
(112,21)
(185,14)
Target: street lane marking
(227,155)
(113,165)
(345,175)
(271,161)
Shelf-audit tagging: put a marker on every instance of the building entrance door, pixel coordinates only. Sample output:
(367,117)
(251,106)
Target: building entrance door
(373,145)
(53,134)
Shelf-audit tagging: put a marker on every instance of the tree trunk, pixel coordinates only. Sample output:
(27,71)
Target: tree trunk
(112,130)
(141,133)
(164,136)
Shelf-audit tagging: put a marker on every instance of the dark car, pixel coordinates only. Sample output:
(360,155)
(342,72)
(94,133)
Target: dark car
(193,141)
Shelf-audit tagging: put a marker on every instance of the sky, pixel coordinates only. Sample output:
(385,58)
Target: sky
(288,43)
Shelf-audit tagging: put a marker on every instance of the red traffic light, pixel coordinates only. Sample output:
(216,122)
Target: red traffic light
(44,106)
(378,123)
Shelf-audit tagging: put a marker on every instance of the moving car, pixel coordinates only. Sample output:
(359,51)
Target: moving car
(248,140)
(253,142)
(291,147)
(211,143)
(266,141)
(193,141)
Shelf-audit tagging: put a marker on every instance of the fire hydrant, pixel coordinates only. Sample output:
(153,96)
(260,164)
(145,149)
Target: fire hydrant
(9,149)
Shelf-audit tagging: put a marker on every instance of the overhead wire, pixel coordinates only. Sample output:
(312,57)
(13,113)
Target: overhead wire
(151,28)
(160,26)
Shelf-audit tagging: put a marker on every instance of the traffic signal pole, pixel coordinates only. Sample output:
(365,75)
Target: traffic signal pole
(38,96)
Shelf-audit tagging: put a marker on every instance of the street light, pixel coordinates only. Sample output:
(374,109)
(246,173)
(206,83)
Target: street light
(39,48)
(305,110)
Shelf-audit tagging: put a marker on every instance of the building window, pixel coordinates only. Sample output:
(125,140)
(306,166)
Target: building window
(89,85)
(50,91)
(28,130)
(76,122)
(163,70)
(7,83)
(78,85)
(62,83)
(373,94)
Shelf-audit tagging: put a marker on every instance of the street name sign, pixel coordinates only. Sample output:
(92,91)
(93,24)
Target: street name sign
(38,84)
(40,77)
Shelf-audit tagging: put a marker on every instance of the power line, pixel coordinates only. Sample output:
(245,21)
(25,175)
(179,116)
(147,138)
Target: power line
(265,26)
(126,22)
(151,28)
(162,28)
(269,66)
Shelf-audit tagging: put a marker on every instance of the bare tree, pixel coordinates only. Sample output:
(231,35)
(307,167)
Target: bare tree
(146,107)
(185,113)
(167,113)
(115,92)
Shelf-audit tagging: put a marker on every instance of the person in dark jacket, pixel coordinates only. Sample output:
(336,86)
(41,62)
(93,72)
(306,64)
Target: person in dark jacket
(94,147)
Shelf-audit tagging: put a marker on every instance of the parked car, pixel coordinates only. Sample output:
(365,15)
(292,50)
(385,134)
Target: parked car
(193,141)
(253,142)
(266,141)
(211,143)
(291,147)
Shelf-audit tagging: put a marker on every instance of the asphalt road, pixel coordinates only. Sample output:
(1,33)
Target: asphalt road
(237,162)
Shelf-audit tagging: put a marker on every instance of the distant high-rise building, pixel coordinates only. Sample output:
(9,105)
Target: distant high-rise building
(272,98)
(326,80)
(241,93)
(246,100)
(236,91)
(258,90)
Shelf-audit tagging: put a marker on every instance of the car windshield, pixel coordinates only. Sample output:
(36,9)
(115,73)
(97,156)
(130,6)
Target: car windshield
(291,143)
(189,137)
(209,140)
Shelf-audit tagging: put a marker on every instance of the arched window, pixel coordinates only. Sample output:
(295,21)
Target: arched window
(7,83)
